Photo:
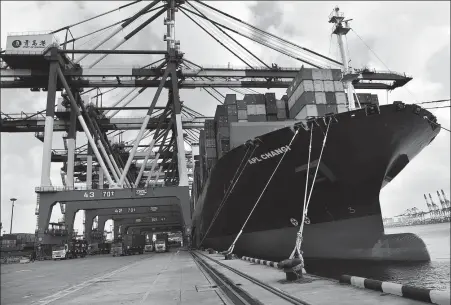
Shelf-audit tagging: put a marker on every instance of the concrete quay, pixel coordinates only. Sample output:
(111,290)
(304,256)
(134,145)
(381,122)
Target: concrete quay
(170,278)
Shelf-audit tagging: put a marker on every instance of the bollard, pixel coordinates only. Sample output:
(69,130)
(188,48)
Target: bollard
(292,268)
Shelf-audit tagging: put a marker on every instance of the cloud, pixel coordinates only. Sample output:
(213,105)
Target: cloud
(405,44)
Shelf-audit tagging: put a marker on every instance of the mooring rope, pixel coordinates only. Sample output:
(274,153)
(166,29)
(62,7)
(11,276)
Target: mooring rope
(230,250)
(299,236)
(230,189)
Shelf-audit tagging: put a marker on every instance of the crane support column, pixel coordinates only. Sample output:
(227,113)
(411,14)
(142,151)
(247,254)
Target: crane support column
(101,178)
(89,168)
(83,125)
(71,137)
(183,173)
(49,117)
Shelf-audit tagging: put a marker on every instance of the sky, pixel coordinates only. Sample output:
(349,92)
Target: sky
(410,37)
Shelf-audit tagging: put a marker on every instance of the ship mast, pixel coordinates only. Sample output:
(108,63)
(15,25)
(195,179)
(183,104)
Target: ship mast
(342,28)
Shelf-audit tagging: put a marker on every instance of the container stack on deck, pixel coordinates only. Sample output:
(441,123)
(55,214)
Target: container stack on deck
(366,98)
(316,92)
(313,93)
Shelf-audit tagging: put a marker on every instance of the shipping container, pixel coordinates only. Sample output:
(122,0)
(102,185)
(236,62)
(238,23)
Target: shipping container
(242,114)
(316,74)
(271,117)
(241,105)
(282,114)
(256,118)
(260,99)
(260,109)
(271,105)
(223,132)
(326,74)
(308,85)
(210,142)
(318,85)
(232,118)
(270,98)
(338,85)
(326,109)
(341,98)
(329,86)
(336,74)
(330,98)
(341,108)
(231,110)
(320,97)
(230,99)
(211,152)
(220,111)
(304,73)
(306,98)
(251,109)
(250,99)
(307,111)
(280,104)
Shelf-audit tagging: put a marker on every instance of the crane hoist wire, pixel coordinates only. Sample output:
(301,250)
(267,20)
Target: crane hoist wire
(215,38)
(230,37)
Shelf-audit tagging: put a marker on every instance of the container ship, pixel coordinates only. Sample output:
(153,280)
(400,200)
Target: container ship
(367,146)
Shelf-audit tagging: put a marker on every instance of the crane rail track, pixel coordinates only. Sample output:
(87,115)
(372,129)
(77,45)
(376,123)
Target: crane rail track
(237,294)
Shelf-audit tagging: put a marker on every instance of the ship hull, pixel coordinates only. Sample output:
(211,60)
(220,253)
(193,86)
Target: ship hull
(362,154)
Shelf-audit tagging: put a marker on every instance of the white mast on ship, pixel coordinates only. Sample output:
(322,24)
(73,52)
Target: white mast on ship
(342,28)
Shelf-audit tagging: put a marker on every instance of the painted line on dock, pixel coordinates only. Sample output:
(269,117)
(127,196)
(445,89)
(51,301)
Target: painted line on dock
(63,293)
(265,262)
(410,292)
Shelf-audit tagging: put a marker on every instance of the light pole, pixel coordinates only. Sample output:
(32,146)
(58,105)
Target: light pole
(12,214)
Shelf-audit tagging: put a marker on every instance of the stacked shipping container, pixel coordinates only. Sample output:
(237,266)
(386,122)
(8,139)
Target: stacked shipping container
(366,98)
(316,92)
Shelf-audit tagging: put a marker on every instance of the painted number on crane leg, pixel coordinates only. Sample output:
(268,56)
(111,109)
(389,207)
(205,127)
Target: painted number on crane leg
(108,193)
(88,195)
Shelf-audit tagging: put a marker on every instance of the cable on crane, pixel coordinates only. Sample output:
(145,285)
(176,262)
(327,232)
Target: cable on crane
(95,17)
(258,40)
(261,61)
(268,34)
(182,10)
(107,27)
(284,44)
(374,53)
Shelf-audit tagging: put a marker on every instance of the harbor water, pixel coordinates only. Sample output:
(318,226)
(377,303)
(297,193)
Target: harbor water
(433,275)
